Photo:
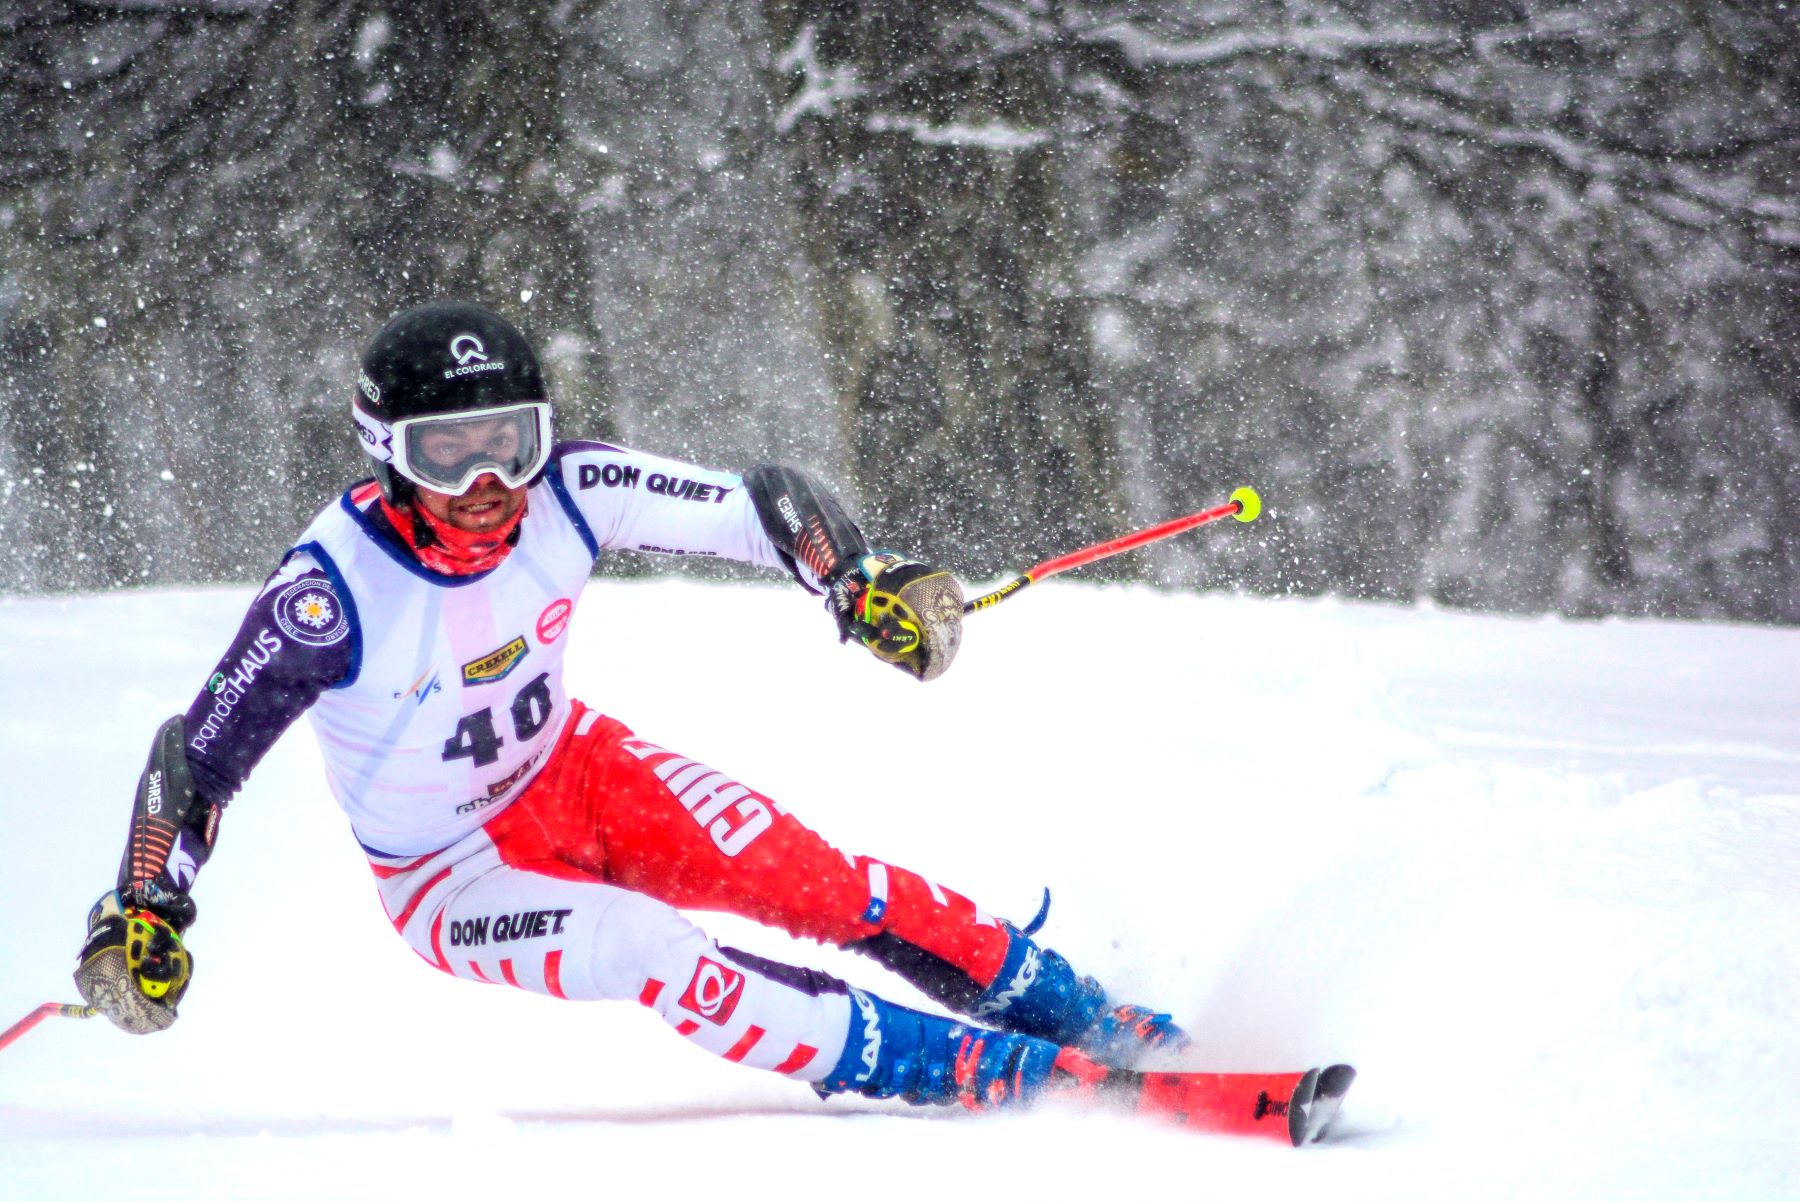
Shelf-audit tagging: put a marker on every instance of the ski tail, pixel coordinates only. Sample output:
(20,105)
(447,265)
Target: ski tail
(1328,1098)
(1292,1107)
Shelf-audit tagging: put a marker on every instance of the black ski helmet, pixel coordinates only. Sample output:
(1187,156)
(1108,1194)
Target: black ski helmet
(433,360)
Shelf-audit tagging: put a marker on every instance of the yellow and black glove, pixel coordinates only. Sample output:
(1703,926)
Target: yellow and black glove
(906,613)
(133,967)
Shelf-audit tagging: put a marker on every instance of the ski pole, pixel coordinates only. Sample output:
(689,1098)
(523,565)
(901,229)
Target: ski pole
(1244,505)
(49,1009)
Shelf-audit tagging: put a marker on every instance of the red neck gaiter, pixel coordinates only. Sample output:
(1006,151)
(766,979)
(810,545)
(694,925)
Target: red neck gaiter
(447,550)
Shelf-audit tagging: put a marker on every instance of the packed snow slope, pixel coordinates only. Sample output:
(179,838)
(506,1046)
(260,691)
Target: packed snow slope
(1535,878)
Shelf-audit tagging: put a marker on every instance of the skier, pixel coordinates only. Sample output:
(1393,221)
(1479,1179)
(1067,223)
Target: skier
(519,836)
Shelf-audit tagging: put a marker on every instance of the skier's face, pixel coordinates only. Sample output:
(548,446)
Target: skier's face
(487,505)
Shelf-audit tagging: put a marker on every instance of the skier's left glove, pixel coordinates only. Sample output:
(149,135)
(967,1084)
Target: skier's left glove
(906,613)
(133,967)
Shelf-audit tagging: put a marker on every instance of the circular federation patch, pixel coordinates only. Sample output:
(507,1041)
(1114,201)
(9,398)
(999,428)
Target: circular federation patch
(309,611)
(554,619)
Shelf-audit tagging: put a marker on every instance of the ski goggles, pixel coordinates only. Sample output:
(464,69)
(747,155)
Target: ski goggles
(448,453)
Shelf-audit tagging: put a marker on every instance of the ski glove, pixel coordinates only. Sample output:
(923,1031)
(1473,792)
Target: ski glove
(906,613)
(133,967)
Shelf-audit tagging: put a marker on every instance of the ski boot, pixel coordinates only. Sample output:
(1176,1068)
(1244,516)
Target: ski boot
(1039,994)
(893,1051)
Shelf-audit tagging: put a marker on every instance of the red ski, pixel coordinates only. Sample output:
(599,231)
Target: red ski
(1295,1107)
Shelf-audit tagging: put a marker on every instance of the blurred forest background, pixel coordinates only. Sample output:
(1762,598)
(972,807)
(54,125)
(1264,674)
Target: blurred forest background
(1497,303)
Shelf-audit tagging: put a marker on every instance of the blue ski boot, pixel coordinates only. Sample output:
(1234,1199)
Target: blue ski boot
(1039,994)
(893,1051)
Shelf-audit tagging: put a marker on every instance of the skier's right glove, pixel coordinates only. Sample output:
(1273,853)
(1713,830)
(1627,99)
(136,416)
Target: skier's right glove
(133,967)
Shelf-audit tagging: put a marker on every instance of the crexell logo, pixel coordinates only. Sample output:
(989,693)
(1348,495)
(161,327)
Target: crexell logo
(470,354)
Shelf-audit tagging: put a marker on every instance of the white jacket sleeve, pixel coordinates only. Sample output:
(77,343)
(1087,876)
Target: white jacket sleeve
(637,501)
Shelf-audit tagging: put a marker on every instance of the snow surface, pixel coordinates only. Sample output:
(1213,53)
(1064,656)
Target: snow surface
(1535,878)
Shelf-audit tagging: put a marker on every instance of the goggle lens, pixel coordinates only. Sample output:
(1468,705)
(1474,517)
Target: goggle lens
(448,454)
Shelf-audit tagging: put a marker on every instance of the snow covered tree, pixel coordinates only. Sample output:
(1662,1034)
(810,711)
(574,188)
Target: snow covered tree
(1496,303)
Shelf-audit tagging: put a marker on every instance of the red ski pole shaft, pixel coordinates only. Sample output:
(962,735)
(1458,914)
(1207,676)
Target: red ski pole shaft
(18,1029)
(1244,505)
